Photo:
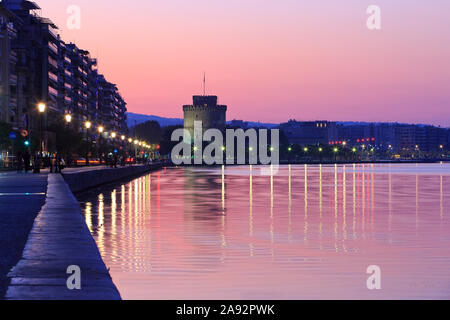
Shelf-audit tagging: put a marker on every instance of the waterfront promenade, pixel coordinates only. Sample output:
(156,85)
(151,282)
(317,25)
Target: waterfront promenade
(21,198)
(43,233)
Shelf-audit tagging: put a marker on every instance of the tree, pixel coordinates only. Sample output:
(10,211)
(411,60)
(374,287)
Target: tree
(149,131)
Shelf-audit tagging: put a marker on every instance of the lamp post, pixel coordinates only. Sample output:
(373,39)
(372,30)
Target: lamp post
(335,150)
(87,125)
(41,108)
(100,129)
(68,118)
(38,158)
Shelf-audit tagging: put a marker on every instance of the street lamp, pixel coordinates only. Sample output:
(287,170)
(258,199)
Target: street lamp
(113,135)
(68,118)
(88,125)
(122,138)
(101,129)
(42,107)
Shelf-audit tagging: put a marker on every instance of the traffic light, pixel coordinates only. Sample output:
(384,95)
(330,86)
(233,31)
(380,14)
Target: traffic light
(26,143)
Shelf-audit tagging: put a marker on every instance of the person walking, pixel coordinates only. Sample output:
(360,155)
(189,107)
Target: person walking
(19,162)
(52,163)
(26,160)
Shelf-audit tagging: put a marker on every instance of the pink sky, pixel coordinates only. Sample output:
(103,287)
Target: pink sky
(272,60)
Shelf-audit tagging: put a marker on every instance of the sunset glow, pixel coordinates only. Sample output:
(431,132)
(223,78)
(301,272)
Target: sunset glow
(314,60)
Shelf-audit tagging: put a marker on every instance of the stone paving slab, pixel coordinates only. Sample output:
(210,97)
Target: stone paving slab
(59,239)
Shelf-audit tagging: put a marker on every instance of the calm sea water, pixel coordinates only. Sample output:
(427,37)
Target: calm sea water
(302,232)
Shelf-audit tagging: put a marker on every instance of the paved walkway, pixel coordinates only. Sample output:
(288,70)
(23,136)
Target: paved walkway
(21,198)
(59,239)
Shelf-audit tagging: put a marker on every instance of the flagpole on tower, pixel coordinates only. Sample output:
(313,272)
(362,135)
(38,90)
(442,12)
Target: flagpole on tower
(204,83)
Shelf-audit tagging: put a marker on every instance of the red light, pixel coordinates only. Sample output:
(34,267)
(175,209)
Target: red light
(340,142)
(363,140)
(358,140)
(158,147)
(373,139)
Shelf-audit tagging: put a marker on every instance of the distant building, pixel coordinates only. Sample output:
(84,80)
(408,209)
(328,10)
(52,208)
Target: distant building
(241,124)
(309,132)
(206,110)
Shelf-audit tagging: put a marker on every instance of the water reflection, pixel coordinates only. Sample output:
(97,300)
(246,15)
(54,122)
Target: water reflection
(231,233)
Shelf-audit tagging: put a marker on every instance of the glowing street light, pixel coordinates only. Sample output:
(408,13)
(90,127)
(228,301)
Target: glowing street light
(88,124)
(130,140)
(335,150)
(320,149)
(101,129)
(113,135)
(42,107)
(305,149)
(68,118)
(354,149)
(122,137)
(136,142)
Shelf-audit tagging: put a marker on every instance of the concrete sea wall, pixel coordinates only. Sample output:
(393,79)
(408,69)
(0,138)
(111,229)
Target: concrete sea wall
(60,238)
(86,179)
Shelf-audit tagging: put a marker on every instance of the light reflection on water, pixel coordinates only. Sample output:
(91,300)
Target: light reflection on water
(301,232)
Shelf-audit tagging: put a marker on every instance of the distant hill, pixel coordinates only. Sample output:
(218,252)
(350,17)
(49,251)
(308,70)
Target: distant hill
(135,118)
